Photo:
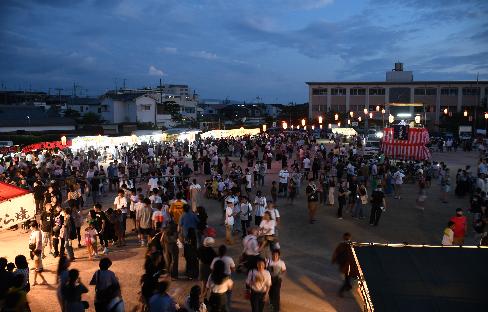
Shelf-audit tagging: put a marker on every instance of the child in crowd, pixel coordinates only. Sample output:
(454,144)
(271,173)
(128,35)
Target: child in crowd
(91,240)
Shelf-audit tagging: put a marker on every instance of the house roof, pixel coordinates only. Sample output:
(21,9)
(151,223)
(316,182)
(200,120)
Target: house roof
(85,101)
(24,115)
(424,278)
(471,82)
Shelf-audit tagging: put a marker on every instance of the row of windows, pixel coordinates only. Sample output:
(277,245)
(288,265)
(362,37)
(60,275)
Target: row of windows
(353,91)
(381,91)
(425,91)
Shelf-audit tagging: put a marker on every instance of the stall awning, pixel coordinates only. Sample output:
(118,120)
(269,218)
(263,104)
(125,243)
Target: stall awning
(8,191)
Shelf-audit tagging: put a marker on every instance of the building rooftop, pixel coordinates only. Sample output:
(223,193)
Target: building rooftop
(16,116)
(443,82)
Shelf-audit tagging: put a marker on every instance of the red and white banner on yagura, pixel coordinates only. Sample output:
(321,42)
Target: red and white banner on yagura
(414,148)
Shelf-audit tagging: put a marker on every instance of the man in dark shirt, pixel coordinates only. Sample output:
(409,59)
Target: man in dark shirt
(47,221)
(38,191)
(378,205)
(343,256)
(312,199)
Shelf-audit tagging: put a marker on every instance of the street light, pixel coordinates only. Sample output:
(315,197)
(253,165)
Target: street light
(303,122)
(336,116)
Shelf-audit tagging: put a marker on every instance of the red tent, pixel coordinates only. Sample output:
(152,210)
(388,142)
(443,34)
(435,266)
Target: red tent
(8,191)
(16,205)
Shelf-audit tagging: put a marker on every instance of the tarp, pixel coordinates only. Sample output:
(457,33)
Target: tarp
(16,205)
(413,148)
(424,278)
(45,145)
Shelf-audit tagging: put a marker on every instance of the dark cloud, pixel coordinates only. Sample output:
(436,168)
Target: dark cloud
(319,39)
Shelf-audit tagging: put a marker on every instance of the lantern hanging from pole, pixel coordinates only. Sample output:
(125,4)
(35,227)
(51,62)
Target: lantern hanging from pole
(351,114)
(465,113)
(303,122)
(264,128)
(365,111)
(391,118)
(445,111)
(370,115)
(377,108)
(63,140)
(417,119)
(320,119)
(336,117)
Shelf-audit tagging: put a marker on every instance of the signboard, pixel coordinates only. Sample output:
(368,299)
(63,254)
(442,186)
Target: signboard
(17,210)
(400,132)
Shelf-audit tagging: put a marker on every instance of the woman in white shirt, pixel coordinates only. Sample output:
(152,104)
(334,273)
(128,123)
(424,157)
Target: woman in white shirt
(267,229)
(218,285)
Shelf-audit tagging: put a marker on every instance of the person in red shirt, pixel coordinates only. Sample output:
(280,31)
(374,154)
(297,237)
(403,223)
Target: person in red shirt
(460,227)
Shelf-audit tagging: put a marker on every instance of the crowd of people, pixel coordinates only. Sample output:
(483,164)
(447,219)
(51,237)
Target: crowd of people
(158,199)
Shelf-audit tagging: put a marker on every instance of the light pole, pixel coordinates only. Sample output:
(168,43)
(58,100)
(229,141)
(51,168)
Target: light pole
(29,122)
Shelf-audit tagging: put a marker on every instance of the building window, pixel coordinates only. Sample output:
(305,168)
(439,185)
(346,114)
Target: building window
(81,109)
(319,91)
(471,91)
(425,91)
(338,91)
(145,107)
(377,91)
(358,91)
(449,91)
(189,110)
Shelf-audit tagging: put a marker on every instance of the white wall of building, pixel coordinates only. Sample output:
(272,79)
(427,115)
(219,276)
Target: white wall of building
(145,107)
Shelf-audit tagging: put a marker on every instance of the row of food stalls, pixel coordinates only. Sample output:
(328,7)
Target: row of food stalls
(138,137)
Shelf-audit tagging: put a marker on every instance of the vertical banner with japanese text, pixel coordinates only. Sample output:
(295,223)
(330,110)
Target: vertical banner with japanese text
(16,210)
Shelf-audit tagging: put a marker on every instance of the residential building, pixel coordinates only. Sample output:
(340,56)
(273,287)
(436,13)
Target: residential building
(85,105)
(31,118)
(399,87)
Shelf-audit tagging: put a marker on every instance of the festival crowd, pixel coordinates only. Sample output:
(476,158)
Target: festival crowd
(157,197)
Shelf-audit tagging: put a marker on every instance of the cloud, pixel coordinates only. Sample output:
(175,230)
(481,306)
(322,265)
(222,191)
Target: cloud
(153,71)
(169,50)
(204,55)
(314,4)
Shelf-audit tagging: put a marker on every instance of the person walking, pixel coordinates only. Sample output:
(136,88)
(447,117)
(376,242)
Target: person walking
(460,227)
(72,292)
(245,214)
(35,246)
(258,282)
(260,205)
(103,280)
(378,205)
(205,254)
(342,197)
(344,258)
(276,268)
(229,222)
(312,200)
(448,236)
(218,285)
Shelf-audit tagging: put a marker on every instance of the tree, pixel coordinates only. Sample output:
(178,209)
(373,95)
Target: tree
(71,113)
(90,118)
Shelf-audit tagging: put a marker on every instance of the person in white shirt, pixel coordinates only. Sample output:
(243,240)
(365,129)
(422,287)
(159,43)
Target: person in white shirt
(120,203)
(229,221)
(251,248)
(283,182)
(306,166)
(248,181)
(230,265)
(245,214)
(274,213)
(260,205)
(397,182)
(259,281)
(267,229)
(195,189)
(276,268)
(153,182)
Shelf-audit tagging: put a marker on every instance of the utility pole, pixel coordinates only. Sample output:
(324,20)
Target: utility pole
(59,94)
(124,83)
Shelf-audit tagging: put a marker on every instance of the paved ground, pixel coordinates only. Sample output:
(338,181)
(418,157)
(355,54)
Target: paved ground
(311,282)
